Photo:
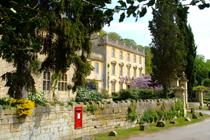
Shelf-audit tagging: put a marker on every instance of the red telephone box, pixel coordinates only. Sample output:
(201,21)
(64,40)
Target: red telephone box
(78,117)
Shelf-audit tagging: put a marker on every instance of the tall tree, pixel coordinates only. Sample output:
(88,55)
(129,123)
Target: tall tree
(190,46)
(167,43)
(148,60)
(129,42)
(202,69)
(19,43)
(66,25)
(114,36)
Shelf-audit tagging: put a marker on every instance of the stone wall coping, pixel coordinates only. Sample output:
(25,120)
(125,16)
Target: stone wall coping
(57,108)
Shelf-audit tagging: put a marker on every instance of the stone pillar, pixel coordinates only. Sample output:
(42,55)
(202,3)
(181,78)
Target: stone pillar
(174,82)
(180,94)
(200,97)
(183,83)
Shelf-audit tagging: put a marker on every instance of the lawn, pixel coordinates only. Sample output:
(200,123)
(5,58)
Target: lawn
(126,133)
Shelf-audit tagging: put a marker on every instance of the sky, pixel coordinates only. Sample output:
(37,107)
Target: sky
(198,19)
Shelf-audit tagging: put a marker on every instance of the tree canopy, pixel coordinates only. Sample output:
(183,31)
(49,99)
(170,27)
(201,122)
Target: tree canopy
(202,68)
(167,43)
(58,29)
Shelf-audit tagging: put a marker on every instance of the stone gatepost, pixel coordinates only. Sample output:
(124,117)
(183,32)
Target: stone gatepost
(183,83)
(179,85)
(180,94)
(200,97)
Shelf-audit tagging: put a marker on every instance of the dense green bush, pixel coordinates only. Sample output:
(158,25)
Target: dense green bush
(178,108)
(132,114)
(37,97)
(153,115)
(206,82)
(137,94)
(91,108)
(6,102)
(86,95)
(150,116)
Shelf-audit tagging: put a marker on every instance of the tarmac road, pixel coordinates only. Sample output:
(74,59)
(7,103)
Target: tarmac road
(197,131)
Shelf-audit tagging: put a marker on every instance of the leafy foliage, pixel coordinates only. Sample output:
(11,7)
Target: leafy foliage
(200,88)
(19,43)
(152,115)
(132,114)
(6,102)
(38,98)
(138,94)
(190,47)
(206,82)
(56,29)
(91,108)
(145,82)
(139,8)
(24,107)
(114,36)
(167,43)
(148,60)
(86,95)
(202,68)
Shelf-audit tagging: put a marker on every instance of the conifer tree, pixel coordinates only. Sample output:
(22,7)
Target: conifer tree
(167,43)
(190,47)
(66,26)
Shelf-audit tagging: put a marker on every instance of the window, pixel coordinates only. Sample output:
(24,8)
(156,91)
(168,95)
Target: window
(113,69)
(134,72)
(140,72)
(128,71)
(62,83)
(121,86)
(121,55)
(134,58)
(128,57)
(113,86)
(113,52)
(139,59)
(121,70)
(46,80)
(97,67)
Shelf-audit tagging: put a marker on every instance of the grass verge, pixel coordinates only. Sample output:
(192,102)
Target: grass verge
(126,133)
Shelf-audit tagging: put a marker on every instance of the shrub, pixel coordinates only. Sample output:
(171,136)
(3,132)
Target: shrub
(105,94)
(137,94)
(91,108)
(202,88)
(178,108)
(38,98)
(6,102)
(24,106)
(150,116)
(206,82)
(86,95)
(132,114)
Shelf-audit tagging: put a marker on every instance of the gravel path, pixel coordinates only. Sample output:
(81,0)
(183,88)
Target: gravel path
(198,131)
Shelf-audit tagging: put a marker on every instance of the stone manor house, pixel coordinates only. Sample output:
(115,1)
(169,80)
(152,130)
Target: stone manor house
(115,66)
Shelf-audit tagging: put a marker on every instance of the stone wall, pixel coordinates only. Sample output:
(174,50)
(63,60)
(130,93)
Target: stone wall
(57,122)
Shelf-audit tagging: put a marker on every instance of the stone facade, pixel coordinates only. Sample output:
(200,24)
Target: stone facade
(115,65)
(119,64)
(57,122)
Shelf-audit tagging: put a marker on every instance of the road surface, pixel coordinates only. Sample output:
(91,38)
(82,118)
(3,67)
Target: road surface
(197,131)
